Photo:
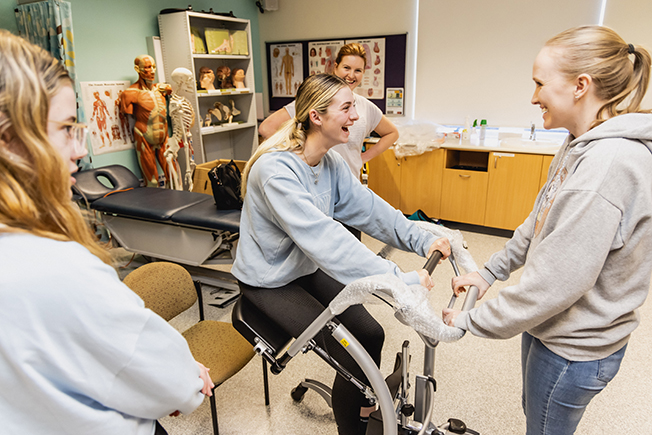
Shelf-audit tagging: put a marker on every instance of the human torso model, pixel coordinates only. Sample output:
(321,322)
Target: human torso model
(183,117)
(145,100)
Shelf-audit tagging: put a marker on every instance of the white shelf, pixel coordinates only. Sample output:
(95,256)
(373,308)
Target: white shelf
(220,92)
(221,56)
(221,128)
(176,44)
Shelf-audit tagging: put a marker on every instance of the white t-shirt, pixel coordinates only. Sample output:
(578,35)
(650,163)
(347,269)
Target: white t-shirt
(370,116)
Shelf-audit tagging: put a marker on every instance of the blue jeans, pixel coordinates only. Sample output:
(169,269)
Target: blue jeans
(556,391)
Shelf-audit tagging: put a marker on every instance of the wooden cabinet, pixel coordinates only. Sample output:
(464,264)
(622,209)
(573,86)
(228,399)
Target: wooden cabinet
(464,196)
(409,183)
(235,140)
(492,189)
(547,160)
(464,186)
(513,186)
(385,177)
(421,177)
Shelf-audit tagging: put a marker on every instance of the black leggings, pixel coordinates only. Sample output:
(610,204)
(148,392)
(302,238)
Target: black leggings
(294,306)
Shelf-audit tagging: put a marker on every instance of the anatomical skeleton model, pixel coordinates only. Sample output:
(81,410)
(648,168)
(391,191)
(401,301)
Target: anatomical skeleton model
(145,100)
(183,118)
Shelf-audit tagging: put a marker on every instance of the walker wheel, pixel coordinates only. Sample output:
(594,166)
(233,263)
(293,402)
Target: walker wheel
(298,393)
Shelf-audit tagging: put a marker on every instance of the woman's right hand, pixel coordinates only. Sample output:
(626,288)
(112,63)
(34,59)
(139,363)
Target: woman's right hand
(473,278)
(425,280)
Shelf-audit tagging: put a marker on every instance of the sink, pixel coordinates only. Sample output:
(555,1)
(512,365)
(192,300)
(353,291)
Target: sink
(520,142)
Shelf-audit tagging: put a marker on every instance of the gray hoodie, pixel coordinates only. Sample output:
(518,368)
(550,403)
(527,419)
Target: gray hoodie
(585,248)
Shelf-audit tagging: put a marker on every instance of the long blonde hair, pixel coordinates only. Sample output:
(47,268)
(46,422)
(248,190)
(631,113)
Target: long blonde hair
(315,93)
(602,54)
(34,181)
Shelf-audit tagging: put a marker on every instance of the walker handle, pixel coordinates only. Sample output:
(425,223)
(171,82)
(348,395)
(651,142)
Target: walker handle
(433,261)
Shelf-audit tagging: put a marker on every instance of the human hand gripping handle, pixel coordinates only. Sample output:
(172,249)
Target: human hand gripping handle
(458,284)
(439,250)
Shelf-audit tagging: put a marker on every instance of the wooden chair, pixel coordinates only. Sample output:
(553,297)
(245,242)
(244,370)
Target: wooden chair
(168,290)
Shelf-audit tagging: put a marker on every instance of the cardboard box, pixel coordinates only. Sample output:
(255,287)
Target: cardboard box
(200,180)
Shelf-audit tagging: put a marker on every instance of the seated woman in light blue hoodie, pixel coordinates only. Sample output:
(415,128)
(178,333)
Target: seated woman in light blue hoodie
(293,258)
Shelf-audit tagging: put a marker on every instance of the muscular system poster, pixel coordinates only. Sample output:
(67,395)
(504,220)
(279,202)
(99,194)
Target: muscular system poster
(108,130)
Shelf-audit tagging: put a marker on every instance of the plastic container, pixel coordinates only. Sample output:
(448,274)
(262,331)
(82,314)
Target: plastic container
(466,133)
(483,130)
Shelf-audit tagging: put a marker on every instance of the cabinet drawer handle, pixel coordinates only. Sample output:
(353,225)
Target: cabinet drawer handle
(465,176)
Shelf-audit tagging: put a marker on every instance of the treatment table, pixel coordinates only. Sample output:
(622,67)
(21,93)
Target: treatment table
(177,226)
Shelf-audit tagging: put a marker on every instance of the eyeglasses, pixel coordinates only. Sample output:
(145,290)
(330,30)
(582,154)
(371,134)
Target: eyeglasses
(76,134)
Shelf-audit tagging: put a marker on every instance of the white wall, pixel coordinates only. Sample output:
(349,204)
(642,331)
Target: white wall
(632,19)
(339,19)
(474,57)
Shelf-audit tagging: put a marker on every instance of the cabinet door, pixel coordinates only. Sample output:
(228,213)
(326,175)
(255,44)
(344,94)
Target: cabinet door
(513,187)
(463,196)
(421,183)
(385,177)
(547,160)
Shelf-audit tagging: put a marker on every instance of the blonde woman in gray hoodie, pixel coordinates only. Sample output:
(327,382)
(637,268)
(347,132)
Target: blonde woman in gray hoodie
(585,246)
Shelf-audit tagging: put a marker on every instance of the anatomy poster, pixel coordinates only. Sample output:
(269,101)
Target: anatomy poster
(322,55)
(373,82)
(287,68)
(108,129)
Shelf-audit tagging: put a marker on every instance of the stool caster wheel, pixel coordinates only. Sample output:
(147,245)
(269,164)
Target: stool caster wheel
(298,393)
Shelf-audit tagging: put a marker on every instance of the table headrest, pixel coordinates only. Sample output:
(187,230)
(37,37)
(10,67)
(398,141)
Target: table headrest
(89,182)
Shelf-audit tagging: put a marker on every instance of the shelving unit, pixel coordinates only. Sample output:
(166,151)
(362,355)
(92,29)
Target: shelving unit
(224,141)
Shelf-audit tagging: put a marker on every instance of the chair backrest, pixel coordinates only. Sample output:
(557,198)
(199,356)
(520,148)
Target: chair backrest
(166,288)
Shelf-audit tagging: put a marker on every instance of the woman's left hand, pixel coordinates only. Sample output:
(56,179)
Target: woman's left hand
(442,245)
(207,389)
(449,315)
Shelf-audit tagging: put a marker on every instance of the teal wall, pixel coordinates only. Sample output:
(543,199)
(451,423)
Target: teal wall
(110,34)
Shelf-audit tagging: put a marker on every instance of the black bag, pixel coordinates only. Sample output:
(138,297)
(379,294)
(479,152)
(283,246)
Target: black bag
(225,181)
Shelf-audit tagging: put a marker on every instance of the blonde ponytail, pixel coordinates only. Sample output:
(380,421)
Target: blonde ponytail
(315,93)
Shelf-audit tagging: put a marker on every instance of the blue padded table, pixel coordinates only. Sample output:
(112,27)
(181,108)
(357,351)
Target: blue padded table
(178,226)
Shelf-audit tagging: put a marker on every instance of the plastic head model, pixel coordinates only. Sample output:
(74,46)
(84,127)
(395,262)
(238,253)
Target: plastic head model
(182,80)
(238,77)
(206,78)
(223,74)
(146,69)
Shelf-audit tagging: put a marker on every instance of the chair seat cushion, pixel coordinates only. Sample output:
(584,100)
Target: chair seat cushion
(218,346)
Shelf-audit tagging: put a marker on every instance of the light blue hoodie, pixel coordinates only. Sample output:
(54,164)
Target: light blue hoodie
(287,227)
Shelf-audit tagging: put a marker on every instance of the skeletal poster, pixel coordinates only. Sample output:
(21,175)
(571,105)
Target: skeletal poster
(108,129)
(373,82)
(287,69)
(322,55)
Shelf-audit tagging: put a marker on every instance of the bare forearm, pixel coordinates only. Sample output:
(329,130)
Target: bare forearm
(380,147)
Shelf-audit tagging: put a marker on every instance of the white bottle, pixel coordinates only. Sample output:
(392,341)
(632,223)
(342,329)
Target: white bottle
(466,133)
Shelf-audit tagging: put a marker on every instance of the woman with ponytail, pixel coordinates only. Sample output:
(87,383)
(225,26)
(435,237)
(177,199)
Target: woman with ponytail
(293,258)
(79,353)
(585,247)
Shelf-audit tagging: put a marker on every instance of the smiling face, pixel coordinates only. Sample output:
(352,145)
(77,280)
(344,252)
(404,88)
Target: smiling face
(351,69)
(554,92)
(63,112)
(340,115)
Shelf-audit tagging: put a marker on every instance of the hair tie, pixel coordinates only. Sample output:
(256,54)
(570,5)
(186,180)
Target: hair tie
(297,123)
(631,49)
